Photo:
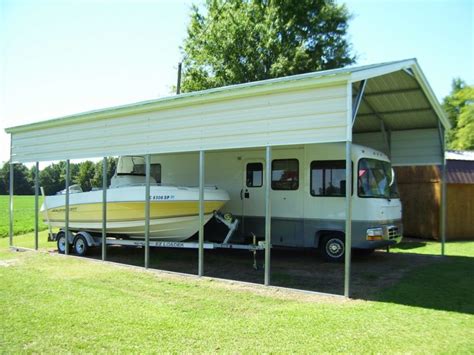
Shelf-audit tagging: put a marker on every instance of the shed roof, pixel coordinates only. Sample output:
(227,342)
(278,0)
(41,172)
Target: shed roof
(460,171)
(460,155)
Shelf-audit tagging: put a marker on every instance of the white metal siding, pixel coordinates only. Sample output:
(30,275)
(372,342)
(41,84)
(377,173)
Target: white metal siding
(410,147)
(416,147)
(305,116)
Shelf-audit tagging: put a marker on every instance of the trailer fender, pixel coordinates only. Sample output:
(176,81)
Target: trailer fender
(70,236)
(91,241)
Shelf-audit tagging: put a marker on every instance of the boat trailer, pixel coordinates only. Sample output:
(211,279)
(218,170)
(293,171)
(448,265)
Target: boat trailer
(81,241)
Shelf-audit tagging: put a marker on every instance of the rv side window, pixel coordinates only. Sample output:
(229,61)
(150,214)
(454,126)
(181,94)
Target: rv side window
(285,174)
(155,172)
(254,175)
(328,178)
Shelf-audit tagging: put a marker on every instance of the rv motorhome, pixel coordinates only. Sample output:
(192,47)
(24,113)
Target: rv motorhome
(307,197)
(307,200)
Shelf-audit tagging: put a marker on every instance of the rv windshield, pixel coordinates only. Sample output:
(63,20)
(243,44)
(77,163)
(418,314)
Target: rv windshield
(131,166)
(376,179)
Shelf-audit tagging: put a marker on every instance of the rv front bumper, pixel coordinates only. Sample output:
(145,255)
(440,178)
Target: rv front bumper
(379,236)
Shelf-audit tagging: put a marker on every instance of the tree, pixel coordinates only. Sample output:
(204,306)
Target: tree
(22,184)
(111,166)
(85,175)
(52,178)
(239,41)
(459,105)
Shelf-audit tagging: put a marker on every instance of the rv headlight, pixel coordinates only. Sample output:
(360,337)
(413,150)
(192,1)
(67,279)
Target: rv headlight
(375,234)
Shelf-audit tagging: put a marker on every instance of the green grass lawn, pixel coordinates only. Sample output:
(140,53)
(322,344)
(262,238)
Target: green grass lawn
(465,248)
(50,303)
(24,215)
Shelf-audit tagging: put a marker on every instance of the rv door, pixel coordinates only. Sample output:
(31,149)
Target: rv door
(252,195)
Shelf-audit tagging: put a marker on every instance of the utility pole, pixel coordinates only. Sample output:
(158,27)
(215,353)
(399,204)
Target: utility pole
(178,84)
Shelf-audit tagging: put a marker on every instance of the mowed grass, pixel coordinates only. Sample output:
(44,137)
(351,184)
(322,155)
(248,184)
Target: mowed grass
(23,213)
(51,303)
(452,248)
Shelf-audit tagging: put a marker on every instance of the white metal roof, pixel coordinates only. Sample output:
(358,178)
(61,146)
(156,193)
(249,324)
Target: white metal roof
(300,109)
(350,74)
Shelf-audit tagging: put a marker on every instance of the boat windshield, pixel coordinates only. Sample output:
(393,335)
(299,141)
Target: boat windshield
(131,166)
(376,179)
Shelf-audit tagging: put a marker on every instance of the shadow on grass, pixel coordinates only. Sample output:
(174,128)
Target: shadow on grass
(447,285)
(410,245)
(442,283)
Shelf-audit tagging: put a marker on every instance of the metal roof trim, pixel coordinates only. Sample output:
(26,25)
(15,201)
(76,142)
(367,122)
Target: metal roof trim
(372,71)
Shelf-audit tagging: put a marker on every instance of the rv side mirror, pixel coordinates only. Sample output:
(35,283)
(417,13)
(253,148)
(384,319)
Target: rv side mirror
(392,178)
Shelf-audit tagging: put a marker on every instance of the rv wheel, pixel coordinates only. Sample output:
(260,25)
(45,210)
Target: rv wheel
(61,242)
(80,245)
(333,248)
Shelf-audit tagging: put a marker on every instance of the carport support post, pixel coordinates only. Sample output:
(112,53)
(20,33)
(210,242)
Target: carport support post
(442,224)
(66,211)
(104,208)
(268,218)
(201,215)
(12,166)
(348,228)
(442,208)
(36,204)
(352,109)
(147,211)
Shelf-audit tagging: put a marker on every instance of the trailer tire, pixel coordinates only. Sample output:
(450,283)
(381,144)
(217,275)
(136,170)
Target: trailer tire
(80,246)
(333,248)
(61,242)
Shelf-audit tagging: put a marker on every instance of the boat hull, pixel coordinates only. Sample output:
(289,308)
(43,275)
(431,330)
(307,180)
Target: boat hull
(174,214)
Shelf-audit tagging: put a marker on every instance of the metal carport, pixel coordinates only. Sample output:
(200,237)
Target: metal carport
(388,106)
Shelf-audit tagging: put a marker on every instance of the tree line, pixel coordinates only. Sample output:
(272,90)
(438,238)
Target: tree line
(52,178)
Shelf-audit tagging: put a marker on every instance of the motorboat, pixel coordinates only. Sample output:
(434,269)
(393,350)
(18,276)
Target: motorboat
(174,210)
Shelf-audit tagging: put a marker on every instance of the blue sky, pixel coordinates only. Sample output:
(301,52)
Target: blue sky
(59,57)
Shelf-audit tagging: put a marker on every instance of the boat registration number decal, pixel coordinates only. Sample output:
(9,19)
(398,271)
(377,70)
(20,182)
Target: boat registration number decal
(161,197)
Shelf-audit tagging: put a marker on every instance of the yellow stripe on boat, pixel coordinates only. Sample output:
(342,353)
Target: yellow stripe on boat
(131,211)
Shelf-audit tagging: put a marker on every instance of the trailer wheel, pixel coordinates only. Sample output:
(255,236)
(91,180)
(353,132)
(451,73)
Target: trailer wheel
(80,245)
(61,242)
(333,248)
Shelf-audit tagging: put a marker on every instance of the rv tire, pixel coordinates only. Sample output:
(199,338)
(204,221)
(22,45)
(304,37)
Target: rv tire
(333,248)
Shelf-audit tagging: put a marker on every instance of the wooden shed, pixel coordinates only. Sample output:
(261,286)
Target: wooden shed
(420,191)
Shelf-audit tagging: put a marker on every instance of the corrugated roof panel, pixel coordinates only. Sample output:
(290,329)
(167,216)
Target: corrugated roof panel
(398,100)
(394,81)
(459,172)
(367,124)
